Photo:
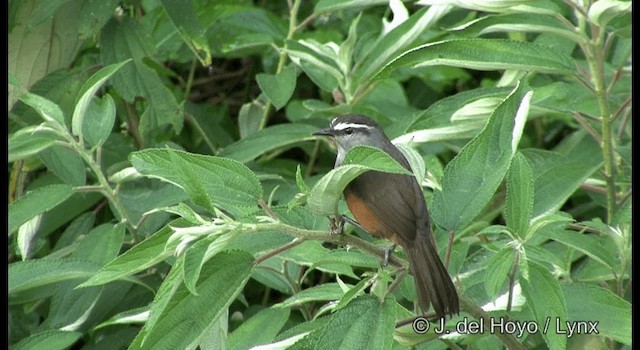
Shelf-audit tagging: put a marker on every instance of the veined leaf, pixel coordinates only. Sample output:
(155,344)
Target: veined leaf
(497,271)
(482,54)
(513,22)
(388,48)
(48,110)
(472,177)
(268,139)
(47,340)
(612,313)
(182,322)
(319,61)
(208,181)
(322,292)
(556,177)
(365,323)
(30,274)
(585,243)
(324,6)
(261,328)
(142,256)
(486,5)
(546,300)
(36,202)
(29,141)
(324,196)
(519,200)
(99,119)
(86,95)
(184,18)
(279,87)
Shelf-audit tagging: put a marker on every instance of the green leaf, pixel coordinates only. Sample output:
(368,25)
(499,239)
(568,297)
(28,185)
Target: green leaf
(324,196)
(66,164)
(208,181)
(102,244)
(354,292)
(93,15)
(30,274)
(415,160)
(517,22)
(98,120)
(249,118)
(588,244)
(279,87)
(27,234)
(86,93)
(200,252)
(488,6)
(29,141)
(51,339)
(318,61)
(122,40)
(183,16)
(557,177)
(260,329)
(546,301)
(603,11)
(519,200)
(483,54)
(324,6)
(48,110)
(322,292)
(33,55)
(134,316)
(612,313)
(366,323)
(244,45)
(497,271)
(139,258)
(268,139)
(181,323)
(388,48)
(36,202)
(473,176)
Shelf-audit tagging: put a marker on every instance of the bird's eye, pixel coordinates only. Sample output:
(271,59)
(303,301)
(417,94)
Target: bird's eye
(348,131)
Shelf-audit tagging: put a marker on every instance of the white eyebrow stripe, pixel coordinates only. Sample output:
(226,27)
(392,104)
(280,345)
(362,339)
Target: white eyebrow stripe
(342,126)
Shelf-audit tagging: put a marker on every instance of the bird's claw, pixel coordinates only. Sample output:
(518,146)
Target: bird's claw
(387,253)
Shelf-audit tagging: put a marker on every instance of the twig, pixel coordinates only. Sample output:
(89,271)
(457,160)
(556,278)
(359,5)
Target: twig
(594,188)
(587,127)
(295,242)
(267,210)
(396,282)
(447,255)
(622,107)
(305,22)
(512,278)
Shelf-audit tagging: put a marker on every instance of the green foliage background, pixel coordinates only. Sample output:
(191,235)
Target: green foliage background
(165,190)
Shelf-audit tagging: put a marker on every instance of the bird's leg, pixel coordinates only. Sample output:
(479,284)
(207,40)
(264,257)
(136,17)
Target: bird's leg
(344,218)
(387,252)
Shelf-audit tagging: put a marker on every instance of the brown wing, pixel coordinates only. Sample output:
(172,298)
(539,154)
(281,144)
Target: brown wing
(388,205)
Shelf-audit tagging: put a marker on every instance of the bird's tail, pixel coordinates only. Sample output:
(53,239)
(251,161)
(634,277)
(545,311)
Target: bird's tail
(432,279)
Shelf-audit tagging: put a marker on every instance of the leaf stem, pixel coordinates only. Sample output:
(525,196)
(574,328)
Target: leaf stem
(293,14)
(596,61)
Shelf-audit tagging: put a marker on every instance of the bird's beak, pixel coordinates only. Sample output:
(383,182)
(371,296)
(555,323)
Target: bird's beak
(324,132)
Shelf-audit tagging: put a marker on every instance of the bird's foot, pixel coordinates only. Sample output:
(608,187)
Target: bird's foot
(336,226)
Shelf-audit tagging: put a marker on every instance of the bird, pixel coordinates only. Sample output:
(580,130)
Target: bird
(392,206)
